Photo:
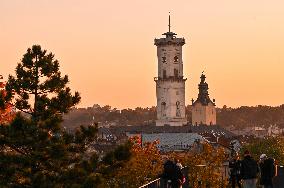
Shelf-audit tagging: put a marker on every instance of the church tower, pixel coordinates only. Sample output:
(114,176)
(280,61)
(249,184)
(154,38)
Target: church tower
(170,83)
(203,109)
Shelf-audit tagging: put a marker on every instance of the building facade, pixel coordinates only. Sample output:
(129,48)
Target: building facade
(203,109)
(170,83)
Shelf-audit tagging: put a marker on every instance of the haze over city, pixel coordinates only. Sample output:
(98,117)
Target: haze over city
(107,47)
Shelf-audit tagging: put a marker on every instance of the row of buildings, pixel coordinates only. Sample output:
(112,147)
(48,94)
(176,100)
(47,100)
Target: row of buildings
(257,131)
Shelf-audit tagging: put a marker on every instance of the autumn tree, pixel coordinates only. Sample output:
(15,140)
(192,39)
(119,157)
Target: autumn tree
(272,146)
(6,111)
(132,165)
(205,166)
(35,150)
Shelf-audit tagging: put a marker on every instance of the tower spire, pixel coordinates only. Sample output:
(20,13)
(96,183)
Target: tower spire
(169,34)
(169,21)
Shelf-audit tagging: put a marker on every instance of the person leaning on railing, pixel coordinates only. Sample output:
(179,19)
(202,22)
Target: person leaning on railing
(235,172)
(249,171)
(267,171)
(172,174)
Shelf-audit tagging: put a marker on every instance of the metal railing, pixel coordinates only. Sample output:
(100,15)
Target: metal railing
(153,184)
(278,180)
(170,78)
(162,183)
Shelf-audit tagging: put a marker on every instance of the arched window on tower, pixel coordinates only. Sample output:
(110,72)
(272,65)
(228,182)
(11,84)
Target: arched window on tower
(164,74)
(175,73)
(163,109)
(178,109)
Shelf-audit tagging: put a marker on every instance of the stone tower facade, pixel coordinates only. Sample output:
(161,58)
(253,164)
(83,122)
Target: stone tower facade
(170,83)
(203,109)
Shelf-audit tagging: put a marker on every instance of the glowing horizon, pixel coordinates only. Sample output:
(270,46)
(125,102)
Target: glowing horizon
(107,48)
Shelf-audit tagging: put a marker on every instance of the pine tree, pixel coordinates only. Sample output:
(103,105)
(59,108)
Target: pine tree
(35,150)
(38,88)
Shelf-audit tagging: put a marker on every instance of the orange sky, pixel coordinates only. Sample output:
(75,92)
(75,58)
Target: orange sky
(106,47)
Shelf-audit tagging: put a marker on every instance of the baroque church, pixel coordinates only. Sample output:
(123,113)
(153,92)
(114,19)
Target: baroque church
(170,87)
(203,109)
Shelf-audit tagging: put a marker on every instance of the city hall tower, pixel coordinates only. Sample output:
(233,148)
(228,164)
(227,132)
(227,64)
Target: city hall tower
(170,83)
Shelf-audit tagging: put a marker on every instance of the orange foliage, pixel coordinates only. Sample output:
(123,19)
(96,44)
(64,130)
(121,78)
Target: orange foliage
(7,114)
(206,166)
(144,165)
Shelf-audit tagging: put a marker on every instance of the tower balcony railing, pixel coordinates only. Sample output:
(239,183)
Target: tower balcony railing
(170,78)
(169,41)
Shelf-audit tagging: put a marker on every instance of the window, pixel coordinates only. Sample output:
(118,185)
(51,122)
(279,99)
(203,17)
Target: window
(176,58)
(163,108)
(164,74)
(164,59)
(175,73)
(178,109)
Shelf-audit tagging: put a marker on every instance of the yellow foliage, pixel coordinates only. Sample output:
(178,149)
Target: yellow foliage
(144,166)
(205,166)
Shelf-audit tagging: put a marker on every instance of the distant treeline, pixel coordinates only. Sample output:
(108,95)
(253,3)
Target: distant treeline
(246,116)
(108,115)
(239,117)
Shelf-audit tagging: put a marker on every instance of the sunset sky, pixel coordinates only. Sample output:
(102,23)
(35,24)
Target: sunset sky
(107,47)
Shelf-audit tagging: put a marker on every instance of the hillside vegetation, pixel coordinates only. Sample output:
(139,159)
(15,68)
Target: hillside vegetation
(240,117)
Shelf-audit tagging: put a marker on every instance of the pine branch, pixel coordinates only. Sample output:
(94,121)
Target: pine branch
(17,149)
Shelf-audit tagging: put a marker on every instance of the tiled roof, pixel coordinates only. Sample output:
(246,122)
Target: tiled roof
(214,130)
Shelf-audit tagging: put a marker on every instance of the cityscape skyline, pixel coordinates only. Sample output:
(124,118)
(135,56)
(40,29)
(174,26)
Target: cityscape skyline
(111,59)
